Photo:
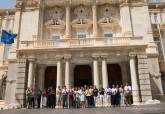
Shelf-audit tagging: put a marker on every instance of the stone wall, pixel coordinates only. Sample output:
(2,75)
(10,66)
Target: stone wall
(144,79)
(155,76)
(15,89)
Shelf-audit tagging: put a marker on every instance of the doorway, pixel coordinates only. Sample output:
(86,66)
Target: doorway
(50,76)
(114,74)
(82,75)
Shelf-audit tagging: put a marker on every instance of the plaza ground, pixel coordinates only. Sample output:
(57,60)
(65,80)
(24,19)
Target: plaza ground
(147,109)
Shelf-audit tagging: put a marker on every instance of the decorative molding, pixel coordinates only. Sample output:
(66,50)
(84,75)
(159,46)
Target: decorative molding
(54,19)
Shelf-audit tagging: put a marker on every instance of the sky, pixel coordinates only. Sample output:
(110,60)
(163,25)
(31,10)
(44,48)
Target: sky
(7,3)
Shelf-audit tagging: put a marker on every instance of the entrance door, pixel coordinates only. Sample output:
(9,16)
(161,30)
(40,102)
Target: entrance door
(82,75)
(114,74)
(50,76)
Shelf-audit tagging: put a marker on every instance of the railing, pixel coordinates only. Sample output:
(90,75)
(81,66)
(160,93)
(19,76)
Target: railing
(86,42)
(156,1)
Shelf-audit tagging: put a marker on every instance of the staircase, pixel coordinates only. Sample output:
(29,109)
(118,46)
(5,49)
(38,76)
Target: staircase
(2,104)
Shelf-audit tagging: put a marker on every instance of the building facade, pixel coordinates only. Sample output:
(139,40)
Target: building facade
(84,42)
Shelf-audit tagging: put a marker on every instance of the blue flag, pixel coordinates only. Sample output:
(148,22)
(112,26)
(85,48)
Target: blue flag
(7,38)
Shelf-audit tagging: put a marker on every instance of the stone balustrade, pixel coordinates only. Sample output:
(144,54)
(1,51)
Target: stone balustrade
(84,42)
(156,1)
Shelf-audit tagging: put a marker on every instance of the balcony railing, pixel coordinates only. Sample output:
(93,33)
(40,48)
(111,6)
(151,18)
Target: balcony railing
(156,1)
(78,43)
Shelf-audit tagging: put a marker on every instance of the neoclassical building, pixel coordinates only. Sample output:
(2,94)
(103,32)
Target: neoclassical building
(83,42)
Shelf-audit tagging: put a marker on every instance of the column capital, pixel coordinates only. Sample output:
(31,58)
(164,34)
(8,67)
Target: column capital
(67,57)
(104,56)
(67,3)
(132,55)
(142,56)
(32,59)
(95,56)
(59,57)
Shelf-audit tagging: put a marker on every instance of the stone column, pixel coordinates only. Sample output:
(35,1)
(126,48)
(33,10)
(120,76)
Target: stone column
(96,72)
(68,24)
(104,73)
(67,73)
(94,10)
(59,73)
(41,76)
(134,80)
(30,74)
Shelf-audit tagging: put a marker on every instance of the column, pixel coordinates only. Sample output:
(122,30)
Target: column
(30,74)
(67,73)
(96,73)
(59,74)
(104,73)
(68,24)
(134,80)
(94,10)
(41,76)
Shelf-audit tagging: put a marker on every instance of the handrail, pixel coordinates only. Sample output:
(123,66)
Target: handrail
(84,42)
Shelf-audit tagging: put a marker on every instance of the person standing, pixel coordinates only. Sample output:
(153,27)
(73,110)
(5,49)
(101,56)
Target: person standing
(118,97)
(33,99)
(37,95)
(113,96)
(91,96)
(28,97)
(52,98)
(88,95)
(48,97)
(44,99)
(121,90)
(70,97)
(64,97)
(108,93)
(95,96)
(82,98)
(101,93)
(127,94)
(77,97)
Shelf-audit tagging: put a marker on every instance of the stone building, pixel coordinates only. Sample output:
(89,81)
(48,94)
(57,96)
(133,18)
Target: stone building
(84,42)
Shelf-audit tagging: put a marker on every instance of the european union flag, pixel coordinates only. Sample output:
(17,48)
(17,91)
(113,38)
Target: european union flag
(7,38)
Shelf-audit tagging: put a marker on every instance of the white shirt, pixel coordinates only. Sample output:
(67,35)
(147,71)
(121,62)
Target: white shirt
(108,90)
(114,91)
(127,88)
(64,91)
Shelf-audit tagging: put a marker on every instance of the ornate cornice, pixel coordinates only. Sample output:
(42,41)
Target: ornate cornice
(7,12)
(28,4)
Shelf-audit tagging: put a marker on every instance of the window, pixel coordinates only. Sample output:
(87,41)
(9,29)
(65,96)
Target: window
(155,18)
(108,35)
(55,37)
(81,34)
(158,43)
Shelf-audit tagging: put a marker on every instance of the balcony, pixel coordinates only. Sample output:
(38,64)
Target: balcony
(80,43)
(156,1)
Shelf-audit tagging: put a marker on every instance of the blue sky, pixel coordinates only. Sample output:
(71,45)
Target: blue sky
(7,3)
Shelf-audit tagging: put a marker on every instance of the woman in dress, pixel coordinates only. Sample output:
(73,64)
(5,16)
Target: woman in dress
(82,98)
(43,98)
(121,90)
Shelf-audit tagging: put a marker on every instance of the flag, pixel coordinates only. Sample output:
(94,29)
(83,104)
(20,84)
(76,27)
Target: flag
(7,38)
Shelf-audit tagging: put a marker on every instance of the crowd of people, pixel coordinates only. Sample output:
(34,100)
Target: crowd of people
(80,97)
